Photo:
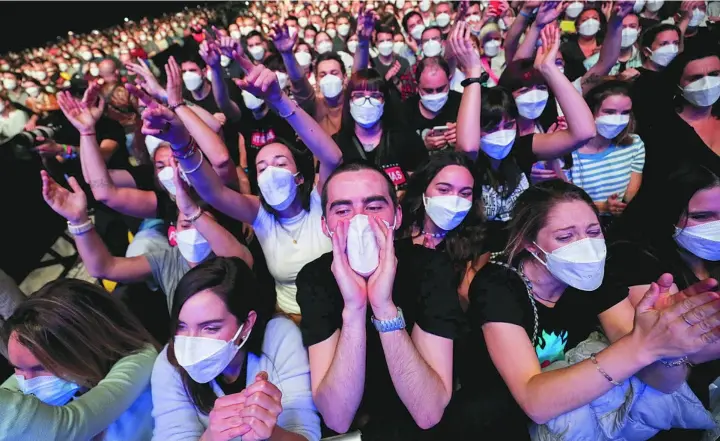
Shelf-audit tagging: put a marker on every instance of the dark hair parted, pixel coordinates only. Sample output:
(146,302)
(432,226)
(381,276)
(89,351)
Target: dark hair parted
(354,167)
(77,330)
(520,73)
(234,282)
(533,207)
(329,56)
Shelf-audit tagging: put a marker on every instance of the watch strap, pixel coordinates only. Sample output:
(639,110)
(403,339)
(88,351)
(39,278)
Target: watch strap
(481,79)
(390,325)
(77,230)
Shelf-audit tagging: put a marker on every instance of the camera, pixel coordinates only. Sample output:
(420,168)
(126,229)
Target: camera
(25,142)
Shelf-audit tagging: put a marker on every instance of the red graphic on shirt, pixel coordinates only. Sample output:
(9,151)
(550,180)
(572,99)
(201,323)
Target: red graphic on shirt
(396,175)
(261,139)
(172,234)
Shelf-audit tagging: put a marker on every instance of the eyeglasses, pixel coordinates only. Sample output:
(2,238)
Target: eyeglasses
(360,98)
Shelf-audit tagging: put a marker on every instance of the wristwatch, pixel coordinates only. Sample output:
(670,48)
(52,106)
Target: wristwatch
(481,79)
(393,324)
(77,230)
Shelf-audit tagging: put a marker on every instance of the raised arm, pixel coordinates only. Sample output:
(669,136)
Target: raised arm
(468,121)
(284,43)
(548,13)
(580,121)
(512,39)
(210,52)
(610,50)
(148,81)
(365,27)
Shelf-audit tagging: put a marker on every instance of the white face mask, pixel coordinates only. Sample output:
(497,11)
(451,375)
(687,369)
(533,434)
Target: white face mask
(236,35)
(664,54)
(497,145)
(703,92)
(311,41)
(399,47)
(50,390)
(302,21)
(33,91)
(131,45)
(292,30)
(385,48)
(282,79)
(331,86)
(363,252)
(225,61)
(442,20)
(257,52)
(531,104)
(94,71)
(654,5)
(352,46)
(698,17)
(303,58)
(10,84)
(41,75)
(165,177)
(87,56)
(447,212)
(192,80)
(192,245)
(589,27)
(702,240)
(432,48)
(639,5)
(76,66)
(491,48)
(502,25)
(251,101)
(205,358)
(610,126)
(324,47)
(331,32)
(434,101)
(334,9)
(63,67)
(368,113)
(424,5)
(343,29)
(417,32)
(629,37)
(278,187)
(574,9)
(580,264)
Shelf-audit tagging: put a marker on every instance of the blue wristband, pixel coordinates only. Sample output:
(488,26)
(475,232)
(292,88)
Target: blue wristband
(526,15)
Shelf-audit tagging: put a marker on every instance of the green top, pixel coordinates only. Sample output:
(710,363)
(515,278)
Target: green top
(24,417)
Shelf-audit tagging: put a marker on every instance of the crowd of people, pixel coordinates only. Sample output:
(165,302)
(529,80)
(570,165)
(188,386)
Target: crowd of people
(395,220)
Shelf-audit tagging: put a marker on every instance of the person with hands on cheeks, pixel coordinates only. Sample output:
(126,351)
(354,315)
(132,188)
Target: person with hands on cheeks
(231,370)
(286,216)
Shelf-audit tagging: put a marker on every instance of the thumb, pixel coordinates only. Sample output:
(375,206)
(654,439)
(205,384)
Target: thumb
(261,376)
(665,282)
(648,301)
(74,185)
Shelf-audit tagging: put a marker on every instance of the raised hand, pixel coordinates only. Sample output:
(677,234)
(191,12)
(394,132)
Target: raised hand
(549,12)
(263,405)
(210,54)
(72,205)
(94,101)
(283,40)
(139,92)
(546,54)
(607,8)
(174,82)
(352,286)
(261,82)
(461,45)
(394,69)
(78,112)
(186,205)
(228,45)
(151,84)
(622,8)
(160,122)
(365,25)
(381,282)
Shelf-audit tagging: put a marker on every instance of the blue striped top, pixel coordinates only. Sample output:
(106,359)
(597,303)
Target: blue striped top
(607,172)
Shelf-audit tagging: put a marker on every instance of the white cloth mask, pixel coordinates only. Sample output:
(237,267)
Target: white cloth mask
(205,358)
(192,245)
(531,104)
(257,52)
(580,264)
(385,48)
(447,212)
(654,5)
(303,58)
(192,80)
(343,29)
(363,252)
(292,31)
(703,240)
(424,5)
(282,79)
(94,71)
(49,389)
(352,46)
(331,32)
(251,101)
(574,9)
(434,102)
(310,41)
(302,21)
(225,61)
(629,37)
(368,113)
(432,48)
(639,6)
(41,75)
(331,86)
(664,54)
(278,187)
(10,84)
(165,177)
(491,48)
(417,32)
(697,18)
(324,47)
(497,145)
(399,47)
(589,28)
(610,126)
(334,9)
(703,92)
(33,91)
(443,19)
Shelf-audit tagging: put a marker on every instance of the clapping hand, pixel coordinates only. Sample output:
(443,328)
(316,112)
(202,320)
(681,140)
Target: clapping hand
(185,203)
(394,69)
(210,54)
(147,79)
(283,40)
(162,123)
(81,114)
(72,205)
(547,53)
(352,286)
(460,43)
(263,405)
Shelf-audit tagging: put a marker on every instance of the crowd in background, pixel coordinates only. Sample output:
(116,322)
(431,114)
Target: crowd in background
(386,220)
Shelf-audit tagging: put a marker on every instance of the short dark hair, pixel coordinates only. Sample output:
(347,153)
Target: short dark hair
(329,56)
(354,167)
(650,34)
(254,33)
(406,18)
(432,28)
(520,73)
(383,30)
(193,57)
(430,62)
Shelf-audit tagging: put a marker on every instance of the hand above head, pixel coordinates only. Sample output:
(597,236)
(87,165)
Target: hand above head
(210,54)
(621,8)
(150,83)
(160,122)
(547,53)
(72,205)
(461,45)
(263,405)
(262,83)
(283,40)
(139,92)
(606,8)
(549,12)
(80,115)
(228,45)
(174,83)
(381,282)
(353,287)
(530,5)
(365,25)
(94,101)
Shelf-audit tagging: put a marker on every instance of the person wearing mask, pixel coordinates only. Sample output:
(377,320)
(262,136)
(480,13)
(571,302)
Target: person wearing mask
(65,341)
(413,25)
(39,101)
(432,42)
(379,316)
(432,113)
(345,27)
(504,158)
(308,35)
(394,67)
(629,59)
(651,13)
(492,52)
(674,239)
(231,369)
(257,47)
(444,16)
(12,119)
(11,85)
(591,26)
(546,295)
(373,131)
(609,167)
(286,216)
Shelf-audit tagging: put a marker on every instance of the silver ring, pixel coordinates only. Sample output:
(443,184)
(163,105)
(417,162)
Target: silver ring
(686,320)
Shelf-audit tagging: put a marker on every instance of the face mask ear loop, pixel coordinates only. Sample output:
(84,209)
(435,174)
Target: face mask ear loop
(536,256)
(237,334)
(327,227)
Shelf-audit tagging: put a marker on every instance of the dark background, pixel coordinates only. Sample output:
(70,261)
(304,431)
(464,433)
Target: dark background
(33,24)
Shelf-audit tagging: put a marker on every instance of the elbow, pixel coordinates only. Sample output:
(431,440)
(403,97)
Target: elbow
(222,161)
(430,418)
(336,423)
(585,134)
(537,412)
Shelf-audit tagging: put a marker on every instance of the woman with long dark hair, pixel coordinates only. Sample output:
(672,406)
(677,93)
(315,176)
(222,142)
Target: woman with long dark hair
(230,368)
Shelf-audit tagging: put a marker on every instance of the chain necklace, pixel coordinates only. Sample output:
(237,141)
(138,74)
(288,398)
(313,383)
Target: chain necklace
(296,236)
(528,286)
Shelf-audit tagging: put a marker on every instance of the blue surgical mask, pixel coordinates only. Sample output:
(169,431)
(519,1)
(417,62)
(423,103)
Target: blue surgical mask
(49,389)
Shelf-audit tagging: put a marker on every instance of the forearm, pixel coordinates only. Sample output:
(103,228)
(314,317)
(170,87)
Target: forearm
(529,45)
(339,394)
(94,168)
(580,120)
(362,56)
(610,50)
(304,94)
(222,97)
(243,181)
(468,120)
(223,243)
(294,71)
(280,434)
(94,254)
(512,39)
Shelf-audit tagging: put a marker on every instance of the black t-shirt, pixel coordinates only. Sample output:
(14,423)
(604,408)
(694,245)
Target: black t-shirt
(422,125)
(384,68)
(400,151)
(424,289)
(238,385)
(498,294)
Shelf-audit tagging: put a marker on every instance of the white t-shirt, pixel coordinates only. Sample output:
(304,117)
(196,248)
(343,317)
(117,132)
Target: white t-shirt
(288,245)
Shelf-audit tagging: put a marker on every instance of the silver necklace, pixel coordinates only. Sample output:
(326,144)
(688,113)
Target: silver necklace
(299,230)
(528,286)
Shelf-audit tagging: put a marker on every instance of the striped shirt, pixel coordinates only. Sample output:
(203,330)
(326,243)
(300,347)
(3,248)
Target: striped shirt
(607,172)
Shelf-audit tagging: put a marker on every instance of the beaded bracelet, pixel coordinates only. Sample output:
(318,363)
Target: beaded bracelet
(677,362)
(187,151)
(602,371)
(172,107)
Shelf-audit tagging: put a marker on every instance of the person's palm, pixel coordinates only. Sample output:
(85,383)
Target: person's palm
(549,12)
(209,54)
(284,42)
(72,205)
(623,8)
(547,53)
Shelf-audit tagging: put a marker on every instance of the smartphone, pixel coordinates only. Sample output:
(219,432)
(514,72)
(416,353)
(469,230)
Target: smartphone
(439,130)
